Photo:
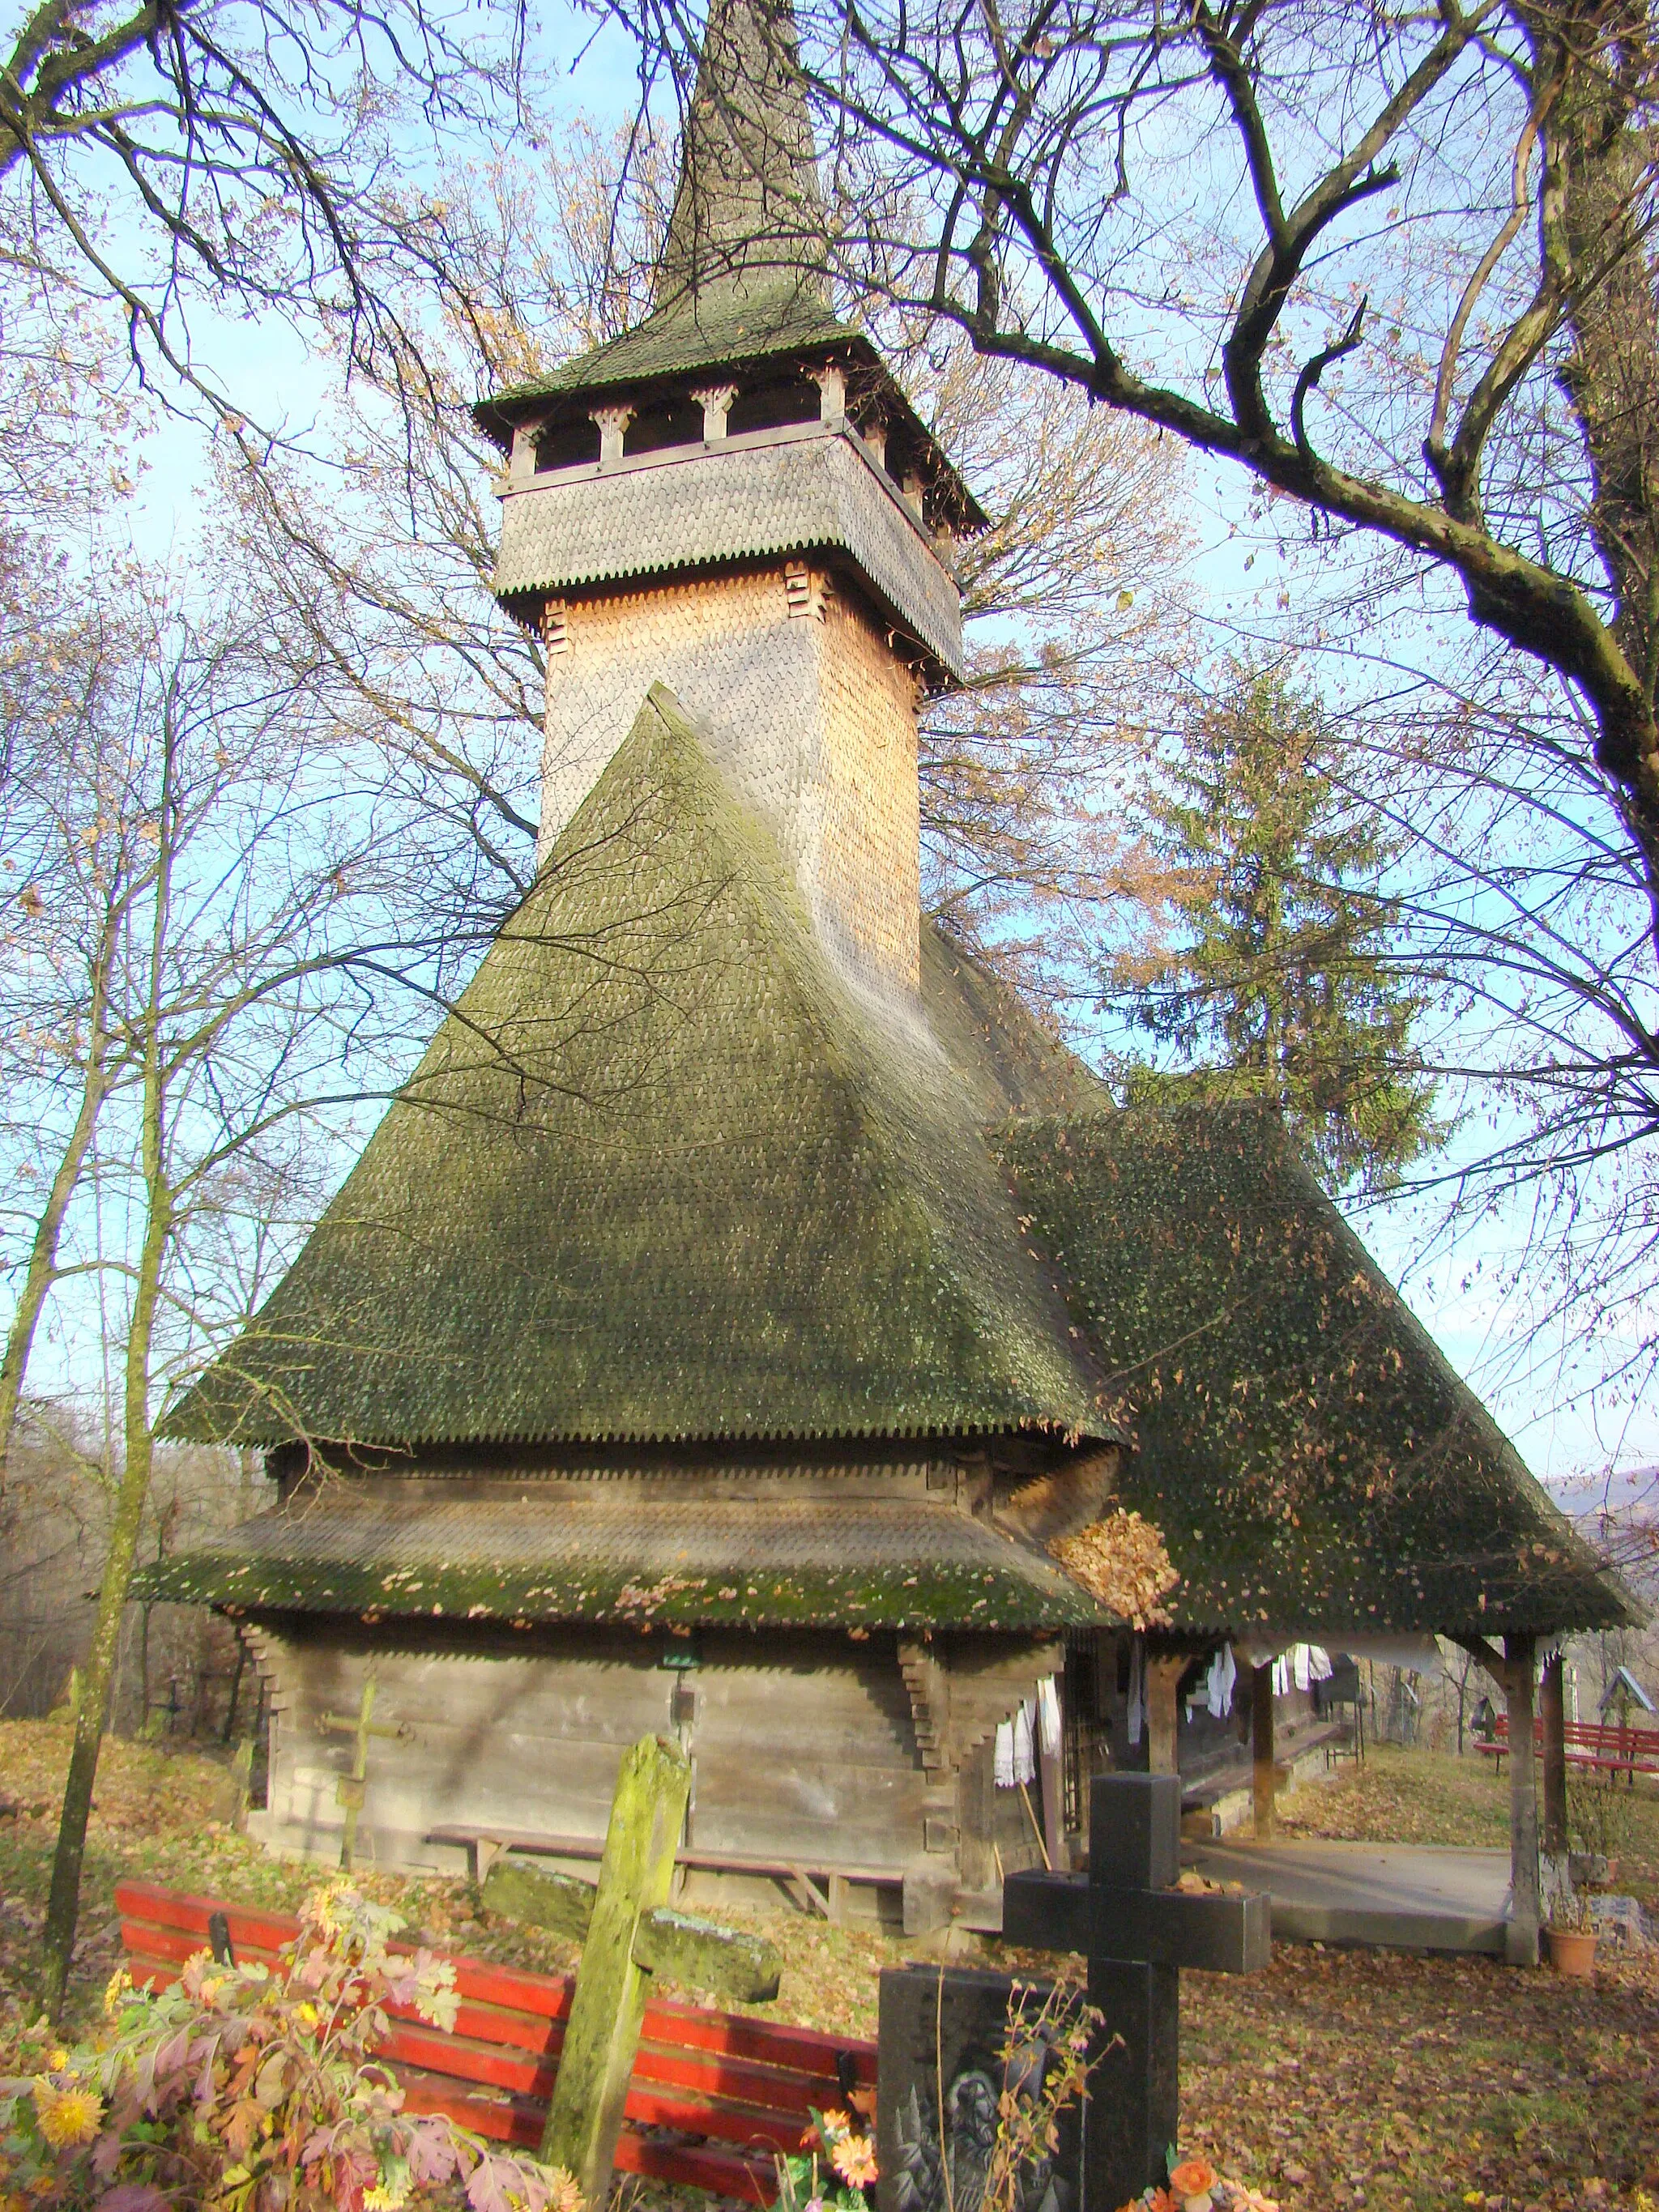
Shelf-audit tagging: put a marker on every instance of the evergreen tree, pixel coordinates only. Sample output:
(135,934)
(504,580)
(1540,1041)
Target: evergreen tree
(1276,981)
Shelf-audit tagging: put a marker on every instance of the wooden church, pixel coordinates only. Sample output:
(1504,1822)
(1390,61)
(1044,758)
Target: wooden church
(739,1315)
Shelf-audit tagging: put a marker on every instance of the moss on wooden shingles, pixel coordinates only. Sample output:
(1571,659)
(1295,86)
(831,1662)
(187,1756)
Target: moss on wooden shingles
(660,1176)
(918,1596)
(1309,1454)
(782,318)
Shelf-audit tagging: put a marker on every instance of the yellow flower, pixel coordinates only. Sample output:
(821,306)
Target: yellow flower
(120,1982)
(67,2116)
(56,2058)
(308,2014)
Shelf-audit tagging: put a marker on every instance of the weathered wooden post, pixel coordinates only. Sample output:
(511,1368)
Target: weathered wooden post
(628,1933)
(1137,1931)
(1526,1906)
(1264,1779)
(603,2032)
(1512,1669)
(1552,1708)
(1163,1672)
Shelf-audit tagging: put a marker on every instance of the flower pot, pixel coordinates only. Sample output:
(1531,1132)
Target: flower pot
(1591,1870)
(1572,1953)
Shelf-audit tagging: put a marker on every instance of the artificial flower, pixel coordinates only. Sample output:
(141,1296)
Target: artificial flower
(853,2157)
(1191,2177)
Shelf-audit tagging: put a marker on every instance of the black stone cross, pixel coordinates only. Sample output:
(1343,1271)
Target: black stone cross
(1137,1930)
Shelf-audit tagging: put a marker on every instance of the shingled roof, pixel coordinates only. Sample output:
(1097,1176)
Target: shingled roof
(753,1563)
(1312,1459)
(659,1175)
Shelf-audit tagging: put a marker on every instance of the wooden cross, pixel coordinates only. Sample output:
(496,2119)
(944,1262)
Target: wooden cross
(1137,1930)
(628,1933)
(352,1789)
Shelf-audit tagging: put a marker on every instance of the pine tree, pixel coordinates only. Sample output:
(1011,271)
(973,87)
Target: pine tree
(1277,982)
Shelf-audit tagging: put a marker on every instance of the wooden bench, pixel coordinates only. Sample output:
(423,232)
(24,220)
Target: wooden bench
(714,2095)
(484,1846)
(1600,1746)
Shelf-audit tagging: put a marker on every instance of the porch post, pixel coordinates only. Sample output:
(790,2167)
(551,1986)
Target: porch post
(1554,1710)
(1521,1939)
(1163,1672)
(1262,1778)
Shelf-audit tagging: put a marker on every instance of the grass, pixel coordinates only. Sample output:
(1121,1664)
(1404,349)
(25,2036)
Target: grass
(1338,2082)
(1435,1797)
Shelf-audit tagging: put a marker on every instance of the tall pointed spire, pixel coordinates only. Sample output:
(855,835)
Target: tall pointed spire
(748,218)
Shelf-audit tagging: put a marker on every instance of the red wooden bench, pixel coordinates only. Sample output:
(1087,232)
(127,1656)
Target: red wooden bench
(1600,1745)
(713,2093)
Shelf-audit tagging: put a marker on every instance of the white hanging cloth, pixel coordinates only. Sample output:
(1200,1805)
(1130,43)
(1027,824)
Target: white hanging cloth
(1049,1716)
(1137,1690)
(1003,1764)
(1025,1743)
(1219,1682)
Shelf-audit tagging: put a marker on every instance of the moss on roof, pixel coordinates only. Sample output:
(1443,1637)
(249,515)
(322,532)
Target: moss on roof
(889,1565)
(658,1176)
(1309,1456)
(723,330)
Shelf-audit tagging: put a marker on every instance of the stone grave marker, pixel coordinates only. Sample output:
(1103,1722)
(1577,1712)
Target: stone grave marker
(1137,1930)
(941,2072)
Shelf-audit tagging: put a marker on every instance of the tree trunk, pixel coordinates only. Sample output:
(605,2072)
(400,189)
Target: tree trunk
(1600,139)
(64,1903)
(1262,1776)
(42,1270)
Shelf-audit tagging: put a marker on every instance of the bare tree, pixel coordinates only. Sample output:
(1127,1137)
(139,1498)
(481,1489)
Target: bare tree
(271,157)
(1187,214)
(227,849)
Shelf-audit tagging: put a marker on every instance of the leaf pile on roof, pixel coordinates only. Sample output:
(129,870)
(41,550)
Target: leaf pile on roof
(1120,1559)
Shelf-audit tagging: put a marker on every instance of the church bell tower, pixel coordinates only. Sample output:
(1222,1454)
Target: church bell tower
(736,499)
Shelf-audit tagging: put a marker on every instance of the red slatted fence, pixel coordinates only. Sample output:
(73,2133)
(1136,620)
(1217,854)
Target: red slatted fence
(1603,1745)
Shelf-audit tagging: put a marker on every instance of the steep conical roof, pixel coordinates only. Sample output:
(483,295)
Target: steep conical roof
(748,219)
(660,1176)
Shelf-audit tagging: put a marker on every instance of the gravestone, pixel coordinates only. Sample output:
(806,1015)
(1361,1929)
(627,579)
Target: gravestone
(943,2064)
(1137,1930)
